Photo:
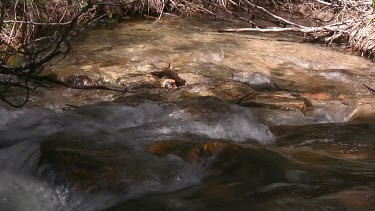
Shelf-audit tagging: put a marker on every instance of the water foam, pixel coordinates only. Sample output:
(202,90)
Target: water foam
(22,133)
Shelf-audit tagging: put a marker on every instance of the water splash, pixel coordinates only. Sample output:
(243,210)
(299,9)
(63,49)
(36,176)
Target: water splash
(253,78)
(24,193)
(109,125)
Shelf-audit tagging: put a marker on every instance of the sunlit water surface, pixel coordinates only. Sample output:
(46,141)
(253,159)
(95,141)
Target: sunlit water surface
(196,147)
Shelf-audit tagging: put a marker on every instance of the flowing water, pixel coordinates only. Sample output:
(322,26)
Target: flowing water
(264,123)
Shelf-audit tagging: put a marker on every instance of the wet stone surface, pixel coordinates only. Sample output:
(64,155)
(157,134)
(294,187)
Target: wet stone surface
(243,122)
(257,72)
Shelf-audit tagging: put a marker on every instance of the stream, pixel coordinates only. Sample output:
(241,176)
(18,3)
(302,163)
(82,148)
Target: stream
(264,122)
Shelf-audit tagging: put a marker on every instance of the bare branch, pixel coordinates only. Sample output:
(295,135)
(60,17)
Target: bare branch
(273,15)
(369,88)
(329,28)
(323,2)
(38,24)
(2,13)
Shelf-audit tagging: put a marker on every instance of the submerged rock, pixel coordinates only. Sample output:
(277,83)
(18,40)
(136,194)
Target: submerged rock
(352,141)
(80,80)
(87,163)
(78,161)
(187,150)
(316,96)
(276,100)
(364,110)
(254,79)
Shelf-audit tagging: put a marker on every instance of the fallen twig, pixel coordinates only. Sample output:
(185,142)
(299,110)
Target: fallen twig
(239,101)
(329,28)
(273,15)
(369,88)
(323,2)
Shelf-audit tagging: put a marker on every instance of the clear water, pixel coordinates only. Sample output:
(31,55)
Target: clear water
(99,157)
(194,148)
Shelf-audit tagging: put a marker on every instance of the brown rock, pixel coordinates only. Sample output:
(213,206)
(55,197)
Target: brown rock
(364,111)
(168,83)
(170,74)
(316,96)
(80,80)
(214,147)
(277,103)
(87,168)
(163,147)
(187,151)
(342,97)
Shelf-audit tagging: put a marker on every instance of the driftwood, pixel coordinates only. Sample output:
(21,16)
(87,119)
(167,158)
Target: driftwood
(330,28)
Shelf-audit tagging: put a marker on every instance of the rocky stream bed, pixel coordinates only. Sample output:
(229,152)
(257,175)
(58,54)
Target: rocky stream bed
(262,122)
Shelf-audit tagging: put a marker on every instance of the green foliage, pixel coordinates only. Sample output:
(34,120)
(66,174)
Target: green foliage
(110,14)
(15,60)
(86,4)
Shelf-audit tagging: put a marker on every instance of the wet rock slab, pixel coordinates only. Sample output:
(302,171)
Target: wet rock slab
(80,162)
(219,65)
(174,149)
(84,166)
(352,141)
(285,176)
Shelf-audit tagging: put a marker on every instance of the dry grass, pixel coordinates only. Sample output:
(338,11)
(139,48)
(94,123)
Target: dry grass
(362,37)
